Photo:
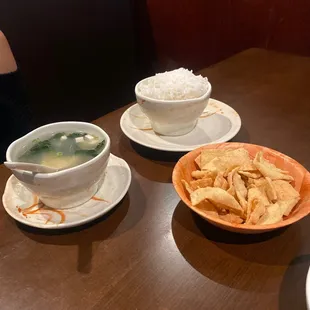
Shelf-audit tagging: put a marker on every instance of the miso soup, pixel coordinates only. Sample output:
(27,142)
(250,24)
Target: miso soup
(63,150)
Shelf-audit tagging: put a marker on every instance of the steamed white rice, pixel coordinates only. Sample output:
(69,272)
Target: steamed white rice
(178,84)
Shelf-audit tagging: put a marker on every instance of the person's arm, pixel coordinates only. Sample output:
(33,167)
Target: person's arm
(7,60)
(14,114)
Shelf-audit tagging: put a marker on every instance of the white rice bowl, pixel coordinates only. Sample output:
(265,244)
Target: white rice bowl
(179,84)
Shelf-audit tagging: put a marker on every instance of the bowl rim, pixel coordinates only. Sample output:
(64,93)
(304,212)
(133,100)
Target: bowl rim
(65,171)
(240,227)
(192,100)
(308,289)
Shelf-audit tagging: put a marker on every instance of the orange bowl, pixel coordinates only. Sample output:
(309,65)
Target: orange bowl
(186,165)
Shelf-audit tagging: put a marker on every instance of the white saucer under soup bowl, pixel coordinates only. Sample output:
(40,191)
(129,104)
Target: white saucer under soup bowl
(66,188)
(24,206)
(172,117)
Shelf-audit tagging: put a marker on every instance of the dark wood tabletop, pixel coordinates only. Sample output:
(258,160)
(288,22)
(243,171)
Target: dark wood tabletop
(151,251)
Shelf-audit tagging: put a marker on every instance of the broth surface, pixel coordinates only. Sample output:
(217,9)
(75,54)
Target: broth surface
(63,150)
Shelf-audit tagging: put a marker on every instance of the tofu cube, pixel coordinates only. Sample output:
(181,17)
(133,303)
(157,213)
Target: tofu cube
(79,139)
(89,138)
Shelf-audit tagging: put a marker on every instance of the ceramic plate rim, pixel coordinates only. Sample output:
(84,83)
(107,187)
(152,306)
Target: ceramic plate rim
(308,289)
(76,223)
(236,125)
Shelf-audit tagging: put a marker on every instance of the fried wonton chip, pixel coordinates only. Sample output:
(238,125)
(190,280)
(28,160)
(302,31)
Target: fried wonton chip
(251,174)
(256,199)
(249,182)
(266,186)
(288,205)
(259,209)
(259,182)
(221,211)
(240,190)
(267,169)
(220,182)
(208,208)
(207,155)
(272,215)
(270,190)
(187,186)
(248,167)
(231,176)
(202,174)
(198,161)
(231,218)
(284,190)
(231,190)
(201,183)
(228,161)
(287,196)
(216,196)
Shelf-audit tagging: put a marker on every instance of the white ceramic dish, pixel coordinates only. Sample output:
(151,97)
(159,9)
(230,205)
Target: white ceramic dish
(218,123)
(308,290)
(70,187)
(17,198)
(172,118)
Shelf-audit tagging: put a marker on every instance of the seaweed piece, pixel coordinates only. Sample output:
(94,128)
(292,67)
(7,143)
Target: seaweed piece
(100,146)
(40,146)
(58,135)
(76,134)
(93,152)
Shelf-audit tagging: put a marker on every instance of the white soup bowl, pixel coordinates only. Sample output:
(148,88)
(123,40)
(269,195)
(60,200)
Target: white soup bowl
(66,188)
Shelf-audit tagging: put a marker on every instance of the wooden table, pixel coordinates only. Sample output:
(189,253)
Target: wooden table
(152,252)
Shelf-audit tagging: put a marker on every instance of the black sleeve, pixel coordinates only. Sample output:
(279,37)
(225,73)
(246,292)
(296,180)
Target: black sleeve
(14,113)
